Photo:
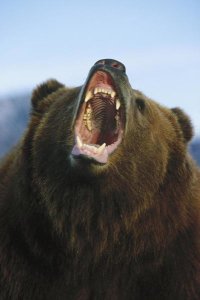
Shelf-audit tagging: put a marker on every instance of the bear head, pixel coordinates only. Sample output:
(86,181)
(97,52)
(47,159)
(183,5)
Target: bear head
(107,136)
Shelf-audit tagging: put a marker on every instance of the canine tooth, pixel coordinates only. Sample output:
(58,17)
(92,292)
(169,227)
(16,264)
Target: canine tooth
(118,104)
(101,149)
(95,90)
(79,143)
(88,96)
(113,94)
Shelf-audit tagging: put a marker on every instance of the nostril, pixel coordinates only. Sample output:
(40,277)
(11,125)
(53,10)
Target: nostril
(116,65)
(119,66)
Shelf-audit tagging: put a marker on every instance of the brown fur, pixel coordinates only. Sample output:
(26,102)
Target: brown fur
(127,230)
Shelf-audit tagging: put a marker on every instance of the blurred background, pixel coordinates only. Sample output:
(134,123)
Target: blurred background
(157,40)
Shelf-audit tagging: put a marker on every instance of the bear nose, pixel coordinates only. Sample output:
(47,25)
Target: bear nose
(111,63)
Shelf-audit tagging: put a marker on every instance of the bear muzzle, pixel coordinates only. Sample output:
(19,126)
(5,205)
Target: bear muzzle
(100,118)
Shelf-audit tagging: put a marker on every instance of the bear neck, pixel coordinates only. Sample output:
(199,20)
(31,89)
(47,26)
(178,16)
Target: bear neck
(93,219)
(96,216)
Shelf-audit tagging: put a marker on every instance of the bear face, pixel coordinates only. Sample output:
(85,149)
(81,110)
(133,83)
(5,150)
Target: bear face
(101,195)
(93,129)
(105,138)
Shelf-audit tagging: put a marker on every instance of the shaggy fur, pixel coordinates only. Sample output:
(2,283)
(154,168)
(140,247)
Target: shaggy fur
(74,229)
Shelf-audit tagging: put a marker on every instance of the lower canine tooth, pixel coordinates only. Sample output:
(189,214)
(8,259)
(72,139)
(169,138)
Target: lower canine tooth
(101,149)
(79,143)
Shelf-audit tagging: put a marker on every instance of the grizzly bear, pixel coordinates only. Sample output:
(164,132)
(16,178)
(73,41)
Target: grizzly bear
(100,199)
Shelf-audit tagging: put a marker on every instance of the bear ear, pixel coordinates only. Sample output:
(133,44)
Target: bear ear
(44,90)
(184,122)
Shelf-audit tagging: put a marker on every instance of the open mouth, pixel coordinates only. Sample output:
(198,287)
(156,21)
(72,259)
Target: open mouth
(100,122)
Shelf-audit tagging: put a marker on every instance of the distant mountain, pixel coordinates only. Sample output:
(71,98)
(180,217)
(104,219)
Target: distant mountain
(195,150)
(14,112)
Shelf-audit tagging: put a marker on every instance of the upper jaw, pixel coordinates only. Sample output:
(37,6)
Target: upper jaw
(100,117)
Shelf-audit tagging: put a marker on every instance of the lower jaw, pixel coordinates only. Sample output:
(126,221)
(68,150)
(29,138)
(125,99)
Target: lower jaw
(96,152)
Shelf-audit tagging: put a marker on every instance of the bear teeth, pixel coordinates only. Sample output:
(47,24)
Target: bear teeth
(118,104)
(79,142)
(89,148)
(101,149)
(87,118)
(90,94)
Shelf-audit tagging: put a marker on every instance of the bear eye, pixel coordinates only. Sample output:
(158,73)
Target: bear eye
(140,104)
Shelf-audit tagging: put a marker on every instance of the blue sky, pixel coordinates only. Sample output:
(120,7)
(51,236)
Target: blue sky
(158,41)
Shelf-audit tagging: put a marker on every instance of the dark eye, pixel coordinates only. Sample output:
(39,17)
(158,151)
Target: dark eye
(140,104)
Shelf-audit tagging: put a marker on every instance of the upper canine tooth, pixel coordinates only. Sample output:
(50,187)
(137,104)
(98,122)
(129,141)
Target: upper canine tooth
(118,104)
(113,94)
(101,149)
(88,96)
